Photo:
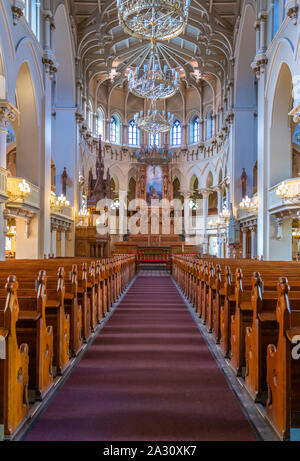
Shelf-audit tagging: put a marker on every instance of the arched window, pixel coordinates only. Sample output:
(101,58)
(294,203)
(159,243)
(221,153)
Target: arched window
(27,10)
(133,134)
(154,140)
(209,125)
(283,9)
(274,18)
(195,130)
(32,15)
(115,129)
(100,122)
(176,133)
(35,17)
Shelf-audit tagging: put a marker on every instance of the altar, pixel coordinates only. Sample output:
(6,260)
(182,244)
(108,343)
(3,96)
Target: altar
(154,193)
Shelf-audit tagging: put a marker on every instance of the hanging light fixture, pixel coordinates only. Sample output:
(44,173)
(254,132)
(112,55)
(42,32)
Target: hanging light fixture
(154,81)
(154,155)
(225,214)
(249,204)
(155,121)
(24,188)
(296,233)
(153,19)
(282,190)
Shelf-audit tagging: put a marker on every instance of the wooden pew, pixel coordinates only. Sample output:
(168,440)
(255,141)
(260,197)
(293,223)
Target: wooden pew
(217,302)
(60,322)
(257,337)
(227,310)
(283,365)
(243,316)
(240,320)
(82,286)
(14,362)
(54,311)
(74,310)
(249,317)
(32,329)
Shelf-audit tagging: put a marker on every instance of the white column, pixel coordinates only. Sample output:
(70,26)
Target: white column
(205,216)
(63,243)
(53,242)
(47,31)
(227,196)
(184,134)
(124,140)
(186,212)
(263,233)
(84,106)
(215,125)
(219,242)
(87,119)
(220,204)
(257,30)
(95,124)
(222,239)
(244,231)
(227,240)
(78,94)
(263,26)
(107,130)
(122,223)
(44,217)
(7,115)
(253,243)
(3,133)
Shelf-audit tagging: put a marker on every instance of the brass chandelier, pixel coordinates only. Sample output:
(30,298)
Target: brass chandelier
(154,81)
(153,19)
(155,121)
(154,155)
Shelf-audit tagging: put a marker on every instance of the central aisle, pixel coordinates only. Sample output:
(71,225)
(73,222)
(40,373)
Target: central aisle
(148,376)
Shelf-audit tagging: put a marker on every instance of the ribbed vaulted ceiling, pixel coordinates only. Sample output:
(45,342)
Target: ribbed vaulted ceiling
(204,49)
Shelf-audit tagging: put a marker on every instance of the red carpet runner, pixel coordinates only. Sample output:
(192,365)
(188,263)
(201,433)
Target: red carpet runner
(148,376)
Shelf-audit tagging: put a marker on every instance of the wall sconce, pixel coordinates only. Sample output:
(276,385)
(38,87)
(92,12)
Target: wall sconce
(83,213)
(248,203)
(62,201)
(115,205)
(193,205)
(58,203)
(24,188)
(296,233)
(225,214)
(282,190)
(11,231)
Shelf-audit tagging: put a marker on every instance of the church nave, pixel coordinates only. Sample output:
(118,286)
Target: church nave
(147,376)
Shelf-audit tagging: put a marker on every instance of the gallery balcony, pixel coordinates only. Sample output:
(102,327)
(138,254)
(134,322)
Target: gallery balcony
(284,198)
(61,210)
(22,194)
(248,209)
